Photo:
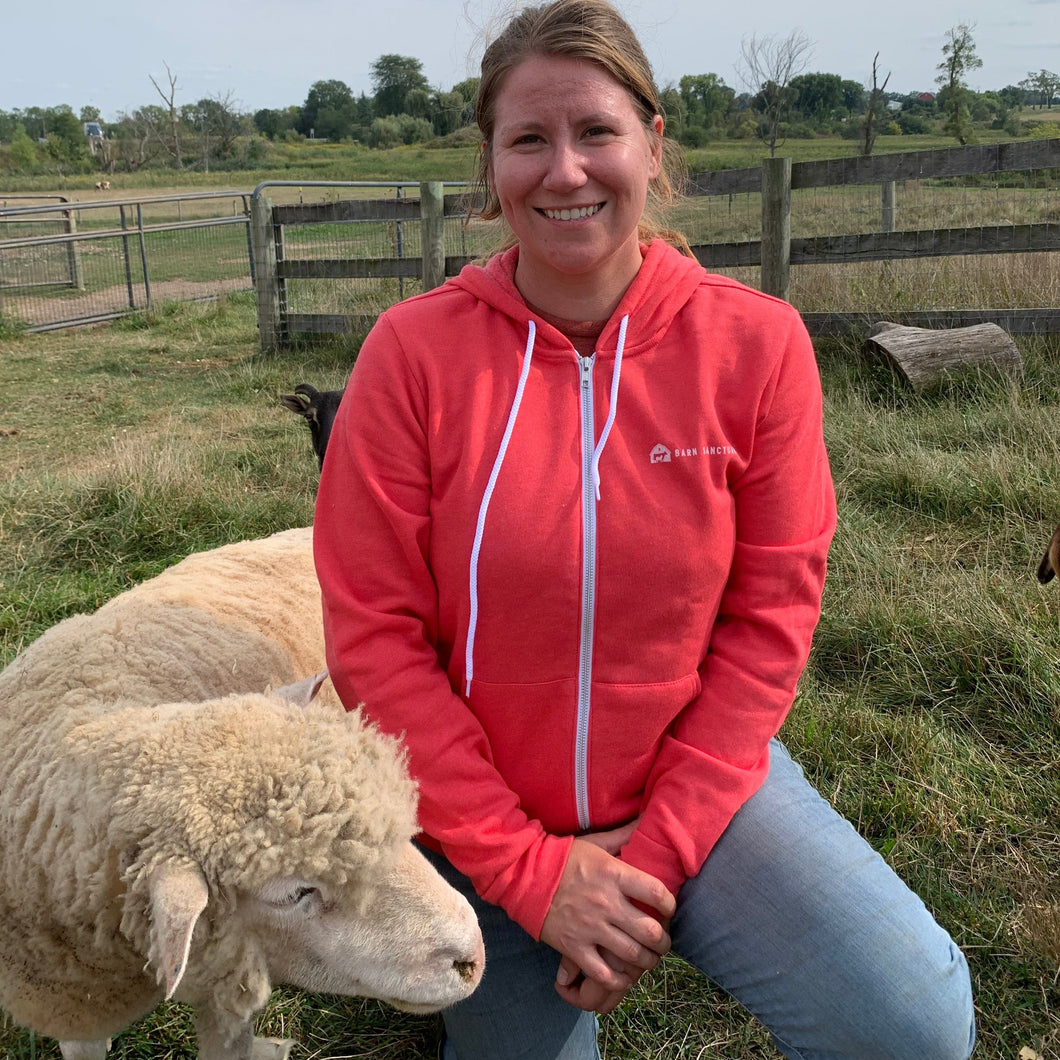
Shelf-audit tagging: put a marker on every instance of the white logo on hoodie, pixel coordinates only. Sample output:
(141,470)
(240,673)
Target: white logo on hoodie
(660,454)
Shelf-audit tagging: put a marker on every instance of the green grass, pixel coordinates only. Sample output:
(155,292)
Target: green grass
(929,713)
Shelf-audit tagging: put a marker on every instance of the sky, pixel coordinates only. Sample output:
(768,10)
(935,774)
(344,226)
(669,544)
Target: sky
(266,54)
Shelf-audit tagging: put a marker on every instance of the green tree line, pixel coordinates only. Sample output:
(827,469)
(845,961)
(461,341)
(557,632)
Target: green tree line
(779,100)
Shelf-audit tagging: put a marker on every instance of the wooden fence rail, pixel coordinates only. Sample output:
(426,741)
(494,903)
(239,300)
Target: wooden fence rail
(774,253)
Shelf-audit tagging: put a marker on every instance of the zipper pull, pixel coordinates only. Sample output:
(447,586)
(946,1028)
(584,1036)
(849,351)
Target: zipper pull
(586,365)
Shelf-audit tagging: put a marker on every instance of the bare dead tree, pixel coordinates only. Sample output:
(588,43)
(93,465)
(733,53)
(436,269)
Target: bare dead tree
(174,117)
(875,111)
(768,65)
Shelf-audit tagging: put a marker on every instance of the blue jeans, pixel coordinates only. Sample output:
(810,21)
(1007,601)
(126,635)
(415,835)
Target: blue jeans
(793,914)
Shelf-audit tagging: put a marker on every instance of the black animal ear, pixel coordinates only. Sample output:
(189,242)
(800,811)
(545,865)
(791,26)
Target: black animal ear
(295,402)
(1050,563)
(301,400)
(1045,570)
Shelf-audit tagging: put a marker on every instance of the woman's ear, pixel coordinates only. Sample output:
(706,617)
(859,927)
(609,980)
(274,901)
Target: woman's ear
(656,145)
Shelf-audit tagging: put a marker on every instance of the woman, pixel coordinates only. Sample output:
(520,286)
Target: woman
(571,534)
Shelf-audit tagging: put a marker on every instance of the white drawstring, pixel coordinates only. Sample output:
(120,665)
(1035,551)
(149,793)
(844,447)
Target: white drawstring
(469,651)
(598,451)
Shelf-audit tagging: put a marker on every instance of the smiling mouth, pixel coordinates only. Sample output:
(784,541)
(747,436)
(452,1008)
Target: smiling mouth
(577,214)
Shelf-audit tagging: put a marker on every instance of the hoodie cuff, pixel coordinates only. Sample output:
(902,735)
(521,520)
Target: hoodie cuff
(525,893)
(656,860)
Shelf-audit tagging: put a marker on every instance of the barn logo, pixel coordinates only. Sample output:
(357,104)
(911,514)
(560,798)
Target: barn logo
(660,454)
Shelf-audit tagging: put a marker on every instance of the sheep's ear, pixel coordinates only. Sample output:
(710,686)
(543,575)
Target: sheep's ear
(178,895)
(302,692)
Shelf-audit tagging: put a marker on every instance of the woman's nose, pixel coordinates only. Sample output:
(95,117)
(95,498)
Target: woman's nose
(566,168)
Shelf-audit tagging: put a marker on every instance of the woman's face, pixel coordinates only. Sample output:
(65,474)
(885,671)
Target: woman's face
(570,161)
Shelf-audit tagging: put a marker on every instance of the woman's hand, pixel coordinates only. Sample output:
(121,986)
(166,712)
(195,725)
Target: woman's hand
(605,940)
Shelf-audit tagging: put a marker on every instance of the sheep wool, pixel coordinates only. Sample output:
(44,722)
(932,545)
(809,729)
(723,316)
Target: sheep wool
(145,736)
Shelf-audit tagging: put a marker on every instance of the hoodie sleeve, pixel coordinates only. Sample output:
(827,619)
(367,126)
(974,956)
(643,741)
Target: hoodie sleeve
(717,753)
(372,530)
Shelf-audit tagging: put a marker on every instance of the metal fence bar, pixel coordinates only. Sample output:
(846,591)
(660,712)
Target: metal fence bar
(128,264)
(143,253)
(76,237)
(104,204)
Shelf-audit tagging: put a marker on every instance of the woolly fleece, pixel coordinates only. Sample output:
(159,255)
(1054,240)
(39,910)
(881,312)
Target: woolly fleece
(140,735)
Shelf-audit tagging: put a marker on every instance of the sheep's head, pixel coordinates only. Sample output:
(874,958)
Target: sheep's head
(284,825)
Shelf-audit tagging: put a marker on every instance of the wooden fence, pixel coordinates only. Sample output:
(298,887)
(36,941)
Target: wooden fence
(774,253)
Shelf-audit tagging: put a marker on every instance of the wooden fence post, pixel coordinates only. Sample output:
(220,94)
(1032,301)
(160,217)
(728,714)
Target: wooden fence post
(432,233)
(266,282)
(776,226)
(887,220)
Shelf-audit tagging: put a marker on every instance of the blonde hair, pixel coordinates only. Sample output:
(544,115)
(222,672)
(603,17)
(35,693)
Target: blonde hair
(593,31)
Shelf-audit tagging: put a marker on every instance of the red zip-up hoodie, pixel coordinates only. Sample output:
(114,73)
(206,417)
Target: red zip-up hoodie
(582,589)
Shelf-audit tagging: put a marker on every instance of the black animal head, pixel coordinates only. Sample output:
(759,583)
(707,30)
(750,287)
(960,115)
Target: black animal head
(318,407)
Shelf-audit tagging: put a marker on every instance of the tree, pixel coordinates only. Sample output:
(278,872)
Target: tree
(469,91)
(219,123)
(1044,84)
(768,65)
(273,123)
(329,111)
(393,78)
(875,110)
(706,100)
(817,97)
(958,59)
(23,149)
(139,136)
(170,101)
(674,112)
(66,145)
(854,96)
(447,112)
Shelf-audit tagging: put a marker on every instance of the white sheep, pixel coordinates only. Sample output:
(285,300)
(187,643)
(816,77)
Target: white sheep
(167,829)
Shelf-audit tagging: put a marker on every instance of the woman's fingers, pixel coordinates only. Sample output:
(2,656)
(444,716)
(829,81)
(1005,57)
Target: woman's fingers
(588,994)
(597,908)
(613,840)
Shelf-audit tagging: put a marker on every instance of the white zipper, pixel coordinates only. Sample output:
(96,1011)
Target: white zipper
(585,648)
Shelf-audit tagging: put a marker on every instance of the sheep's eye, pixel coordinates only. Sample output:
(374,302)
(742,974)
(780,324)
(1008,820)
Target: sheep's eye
(290,893)
(298,894)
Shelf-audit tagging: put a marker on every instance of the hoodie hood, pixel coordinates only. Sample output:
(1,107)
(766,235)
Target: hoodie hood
(660,290)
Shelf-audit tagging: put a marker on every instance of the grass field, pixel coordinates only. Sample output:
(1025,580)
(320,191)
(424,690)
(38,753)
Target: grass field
(929,714)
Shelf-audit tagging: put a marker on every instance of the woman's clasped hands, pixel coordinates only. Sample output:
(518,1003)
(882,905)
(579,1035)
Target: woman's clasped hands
(599,924)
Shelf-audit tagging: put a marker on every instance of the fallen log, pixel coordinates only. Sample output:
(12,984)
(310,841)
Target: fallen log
(922,355)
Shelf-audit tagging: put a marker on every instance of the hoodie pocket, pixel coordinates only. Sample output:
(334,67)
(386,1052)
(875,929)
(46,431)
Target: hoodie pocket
(532,730)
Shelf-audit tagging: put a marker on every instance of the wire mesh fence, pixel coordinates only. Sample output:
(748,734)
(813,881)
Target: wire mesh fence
(987,240)
(969,210)
(75,263)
